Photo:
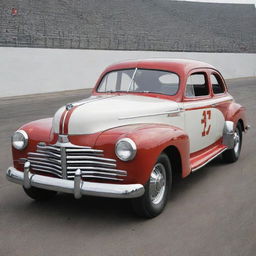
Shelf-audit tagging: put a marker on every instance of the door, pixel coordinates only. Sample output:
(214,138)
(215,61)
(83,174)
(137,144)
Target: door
(203,121)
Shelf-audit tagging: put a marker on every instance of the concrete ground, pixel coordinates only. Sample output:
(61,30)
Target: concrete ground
(212,212)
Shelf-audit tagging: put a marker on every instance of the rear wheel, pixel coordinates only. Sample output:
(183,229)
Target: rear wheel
(232,155)
(39,194)
(157,188)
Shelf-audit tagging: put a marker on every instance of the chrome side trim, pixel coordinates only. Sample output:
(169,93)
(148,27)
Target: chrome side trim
(155,114)
(76,187)
(200,166)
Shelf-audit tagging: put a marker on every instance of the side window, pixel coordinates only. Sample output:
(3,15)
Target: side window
(197,85)
(217,85)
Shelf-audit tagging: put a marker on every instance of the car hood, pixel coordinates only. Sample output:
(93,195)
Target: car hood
(100,113)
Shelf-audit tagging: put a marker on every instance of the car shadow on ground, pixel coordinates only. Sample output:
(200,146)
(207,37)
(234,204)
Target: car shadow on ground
(182,186)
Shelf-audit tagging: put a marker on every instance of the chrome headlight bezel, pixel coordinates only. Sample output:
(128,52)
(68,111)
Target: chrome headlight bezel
(125,144)
(23,141)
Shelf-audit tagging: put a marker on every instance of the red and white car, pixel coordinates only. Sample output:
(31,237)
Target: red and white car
(146,122)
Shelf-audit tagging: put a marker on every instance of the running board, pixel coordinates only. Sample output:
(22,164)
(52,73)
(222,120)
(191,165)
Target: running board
(203,157)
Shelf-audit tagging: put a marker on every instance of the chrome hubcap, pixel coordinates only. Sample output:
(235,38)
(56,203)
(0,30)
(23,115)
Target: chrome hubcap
(157,184)
(236,142)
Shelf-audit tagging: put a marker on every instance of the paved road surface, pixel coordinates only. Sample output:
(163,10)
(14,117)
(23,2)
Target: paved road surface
(212,212)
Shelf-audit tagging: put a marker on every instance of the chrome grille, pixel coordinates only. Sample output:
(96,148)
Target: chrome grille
(63,159)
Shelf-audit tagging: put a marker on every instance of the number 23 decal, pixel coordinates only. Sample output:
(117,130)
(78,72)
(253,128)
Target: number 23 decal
(205,121)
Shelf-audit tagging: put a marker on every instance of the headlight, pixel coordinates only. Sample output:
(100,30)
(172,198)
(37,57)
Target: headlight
(126,149)
(20,139)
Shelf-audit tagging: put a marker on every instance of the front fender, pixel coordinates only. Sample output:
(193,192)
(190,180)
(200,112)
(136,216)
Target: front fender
(151,140)
(39,130)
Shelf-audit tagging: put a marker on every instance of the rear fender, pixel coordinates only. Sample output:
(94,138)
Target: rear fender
(235,113)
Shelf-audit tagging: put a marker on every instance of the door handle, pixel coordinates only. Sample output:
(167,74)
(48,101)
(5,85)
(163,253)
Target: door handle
(214,105)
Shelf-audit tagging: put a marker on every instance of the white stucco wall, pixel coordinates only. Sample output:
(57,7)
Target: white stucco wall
(32,70)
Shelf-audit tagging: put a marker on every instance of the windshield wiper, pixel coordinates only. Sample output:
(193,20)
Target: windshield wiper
(133,75)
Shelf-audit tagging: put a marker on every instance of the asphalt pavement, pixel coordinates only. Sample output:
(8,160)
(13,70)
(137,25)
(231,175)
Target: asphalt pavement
(212,212)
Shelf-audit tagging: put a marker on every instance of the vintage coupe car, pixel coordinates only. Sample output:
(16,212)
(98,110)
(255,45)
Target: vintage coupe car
(146,122)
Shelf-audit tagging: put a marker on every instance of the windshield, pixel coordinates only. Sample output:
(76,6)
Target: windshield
(140,80)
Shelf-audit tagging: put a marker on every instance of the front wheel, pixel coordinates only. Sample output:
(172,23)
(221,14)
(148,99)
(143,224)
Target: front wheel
(157,188)
(232,155)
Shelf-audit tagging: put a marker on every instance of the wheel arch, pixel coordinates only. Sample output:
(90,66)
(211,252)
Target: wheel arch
(174,157)
(241,122)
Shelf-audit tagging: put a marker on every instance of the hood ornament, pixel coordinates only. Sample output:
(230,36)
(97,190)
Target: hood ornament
(69,106)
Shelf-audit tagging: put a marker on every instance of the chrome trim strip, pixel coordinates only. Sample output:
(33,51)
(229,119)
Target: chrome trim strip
(49,153)
(48,147)
(92,162)
(68,145)
(93,158)
(94,168)
(44,164)
(98,177)
(33,166)
(89,150)
(118,173)
(68,186)
(47,171)
(155,114)
(200,166)
(42,154)
(52,160)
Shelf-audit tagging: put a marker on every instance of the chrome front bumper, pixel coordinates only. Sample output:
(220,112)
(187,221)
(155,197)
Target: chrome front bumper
(78,187)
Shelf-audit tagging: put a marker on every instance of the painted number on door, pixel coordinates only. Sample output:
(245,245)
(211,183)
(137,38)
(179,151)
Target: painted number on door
(205,122)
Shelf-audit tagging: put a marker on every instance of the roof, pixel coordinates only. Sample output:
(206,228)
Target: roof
(175,65)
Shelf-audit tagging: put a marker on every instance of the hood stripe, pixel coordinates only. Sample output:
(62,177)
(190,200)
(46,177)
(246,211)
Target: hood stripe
(66,120)
(61,121)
